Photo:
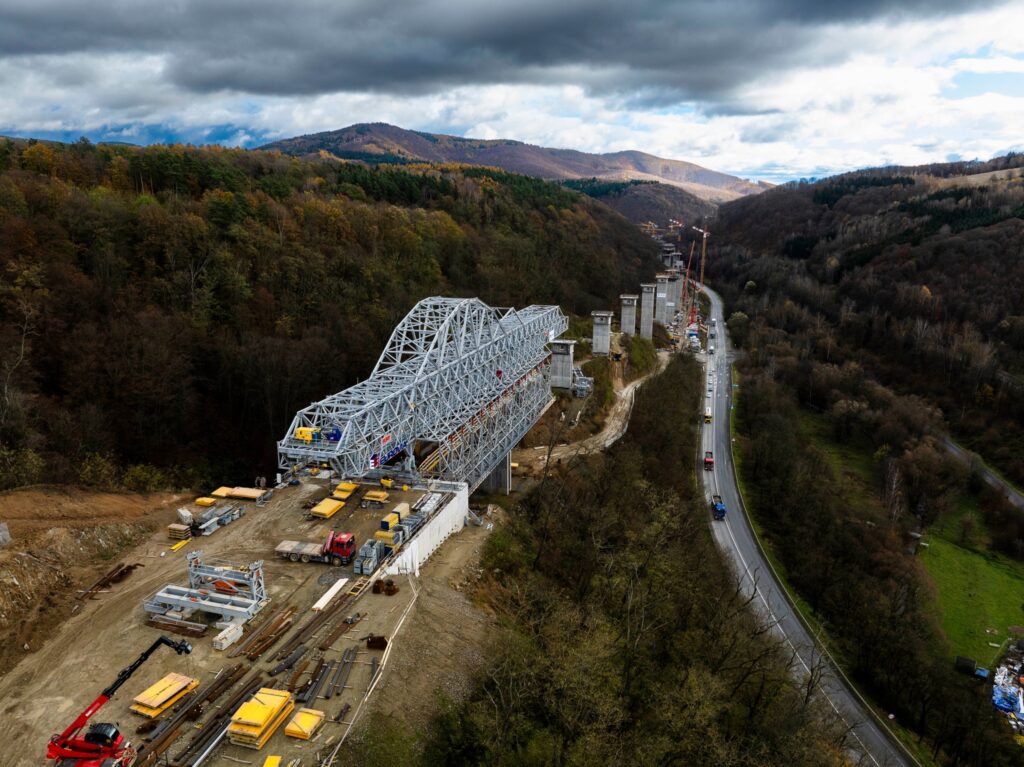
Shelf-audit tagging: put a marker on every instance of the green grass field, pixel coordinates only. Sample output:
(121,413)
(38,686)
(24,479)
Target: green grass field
(977,590)
(853,464)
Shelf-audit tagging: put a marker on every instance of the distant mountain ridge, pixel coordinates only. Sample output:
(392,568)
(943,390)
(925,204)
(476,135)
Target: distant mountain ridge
(380,142)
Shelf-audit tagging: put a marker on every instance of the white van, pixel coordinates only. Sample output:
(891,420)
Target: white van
(711,349)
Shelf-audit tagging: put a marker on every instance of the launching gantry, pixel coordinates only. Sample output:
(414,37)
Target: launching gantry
(458,385)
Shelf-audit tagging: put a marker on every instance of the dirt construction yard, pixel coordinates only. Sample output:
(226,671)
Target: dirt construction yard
(75,648)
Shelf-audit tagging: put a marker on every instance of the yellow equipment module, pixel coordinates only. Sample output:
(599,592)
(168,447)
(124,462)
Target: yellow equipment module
(305,433)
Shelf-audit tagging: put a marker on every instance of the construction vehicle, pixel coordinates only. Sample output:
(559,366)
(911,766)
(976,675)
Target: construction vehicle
(336,550)
(717,507)
(709,461)
(103,745)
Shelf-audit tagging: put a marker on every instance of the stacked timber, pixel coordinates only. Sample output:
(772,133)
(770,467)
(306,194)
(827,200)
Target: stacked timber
(256,720)
(157,698)
(178,532)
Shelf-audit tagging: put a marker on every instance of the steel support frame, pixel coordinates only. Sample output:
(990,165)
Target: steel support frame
(202,574)
(448,362)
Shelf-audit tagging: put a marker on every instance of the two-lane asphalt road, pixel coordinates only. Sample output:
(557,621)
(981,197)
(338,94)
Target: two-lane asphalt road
(869,745)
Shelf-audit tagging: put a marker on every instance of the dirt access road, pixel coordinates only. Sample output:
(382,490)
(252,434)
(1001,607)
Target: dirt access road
(614,427)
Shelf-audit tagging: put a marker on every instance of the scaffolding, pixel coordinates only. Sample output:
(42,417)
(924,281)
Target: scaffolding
(234,592)
(457,386)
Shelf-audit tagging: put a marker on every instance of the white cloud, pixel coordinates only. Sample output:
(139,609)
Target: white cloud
(881,102)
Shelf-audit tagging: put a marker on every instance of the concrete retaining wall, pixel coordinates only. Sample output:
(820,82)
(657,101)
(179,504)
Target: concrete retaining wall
(448,520)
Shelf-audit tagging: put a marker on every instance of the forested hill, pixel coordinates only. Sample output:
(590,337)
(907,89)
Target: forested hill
(173,306)
(642,201)
(915,274)
(380,142)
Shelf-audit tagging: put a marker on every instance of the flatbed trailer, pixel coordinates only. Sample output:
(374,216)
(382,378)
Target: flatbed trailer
(338,550)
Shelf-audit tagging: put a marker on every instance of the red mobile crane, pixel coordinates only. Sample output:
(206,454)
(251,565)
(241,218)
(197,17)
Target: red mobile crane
(103,745)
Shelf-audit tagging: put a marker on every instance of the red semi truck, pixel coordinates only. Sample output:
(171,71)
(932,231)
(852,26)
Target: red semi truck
(338,550)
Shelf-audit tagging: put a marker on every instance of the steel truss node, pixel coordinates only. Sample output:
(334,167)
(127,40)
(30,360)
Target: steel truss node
(458,379)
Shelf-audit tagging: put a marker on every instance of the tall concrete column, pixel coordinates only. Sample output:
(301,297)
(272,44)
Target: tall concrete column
(627,323)
(647,310)
(660,295)
(500,478)
(671,298)
(561,363)
(602,332)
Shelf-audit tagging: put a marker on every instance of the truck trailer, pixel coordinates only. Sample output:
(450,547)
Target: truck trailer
(337,550)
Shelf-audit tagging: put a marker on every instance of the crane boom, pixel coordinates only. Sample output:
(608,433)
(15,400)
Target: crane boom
(68,746)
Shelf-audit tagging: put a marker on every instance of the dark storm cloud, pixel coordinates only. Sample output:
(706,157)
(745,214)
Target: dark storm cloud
(644,51)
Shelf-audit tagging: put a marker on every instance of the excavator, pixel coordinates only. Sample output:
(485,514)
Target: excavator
(103,745)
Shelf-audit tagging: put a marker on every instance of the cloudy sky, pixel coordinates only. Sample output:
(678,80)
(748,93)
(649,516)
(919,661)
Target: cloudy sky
(772,89)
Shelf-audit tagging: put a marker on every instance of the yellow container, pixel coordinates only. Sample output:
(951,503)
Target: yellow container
(327,508)
(402,510)
(389,521)
(272,761)
(376,495)
(204,501)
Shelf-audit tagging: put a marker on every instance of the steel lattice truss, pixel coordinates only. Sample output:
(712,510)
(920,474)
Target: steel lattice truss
(456,373)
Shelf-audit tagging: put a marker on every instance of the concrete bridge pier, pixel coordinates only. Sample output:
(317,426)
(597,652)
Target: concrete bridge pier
(500,479)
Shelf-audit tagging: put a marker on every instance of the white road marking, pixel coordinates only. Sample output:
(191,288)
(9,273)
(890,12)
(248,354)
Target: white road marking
(757,590)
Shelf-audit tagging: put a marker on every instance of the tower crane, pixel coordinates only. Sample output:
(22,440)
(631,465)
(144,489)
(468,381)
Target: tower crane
(686,282)
(103,745)
(703,251)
